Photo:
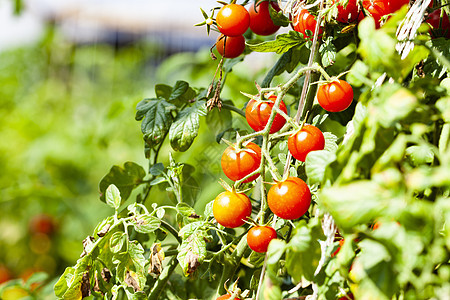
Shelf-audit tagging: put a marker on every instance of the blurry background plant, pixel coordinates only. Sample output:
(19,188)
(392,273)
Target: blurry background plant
(70,79)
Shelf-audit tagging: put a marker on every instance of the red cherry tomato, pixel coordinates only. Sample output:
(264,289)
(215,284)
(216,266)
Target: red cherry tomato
(395,5)
(233,20)
(439,27)
(231,209)
(43,224)
(349,13)
(260,21)
(335,96)
(377,9)
(227,296)
(258,114)
(230,46)
(259,237)
(289,199)
(308,139)
(238,163)
(303,21)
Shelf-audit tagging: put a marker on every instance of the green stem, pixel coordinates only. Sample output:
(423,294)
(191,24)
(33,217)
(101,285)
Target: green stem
(234,109)
(162,280)
(231,264)
(172,230)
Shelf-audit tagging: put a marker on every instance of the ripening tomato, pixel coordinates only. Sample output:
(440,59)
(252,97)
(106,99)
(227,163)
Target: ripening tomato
(335,96)
(231,209)
(226,296)
(349,296)
(289,199)
(377,9)
(259,237)
(440,28)
(233,20)
(304,21)
(260,21)
(308,139)
(258,113)
(349,13)
(395,5)
(230,46)
(238,163)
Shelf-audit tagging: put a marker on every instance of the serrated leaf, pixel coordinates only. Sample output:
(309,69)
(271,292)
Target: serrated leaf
(125,179)
(117,241)
(131,266)
(156,116)
(113,198)
(185,127)
(146,224)
(282,44)
(163,91)
(192,252)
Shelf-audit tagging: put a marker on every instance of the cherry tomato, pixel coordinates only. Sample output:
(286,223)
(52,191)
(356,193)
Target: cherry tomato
(349,13)
(258,114)
(308,139)
(260,21)
(289,199)
(395,5)
(227,296)
(259,237)
(238,163)
(43,224)
(349,296)
(377,9)
(335,96)
(230,46)
(303,21)
(231,209)
(439,28)
(233,20)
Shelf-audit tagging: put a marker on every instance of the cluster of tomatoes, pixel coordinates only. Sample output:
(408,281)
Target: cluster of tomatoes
(233,20)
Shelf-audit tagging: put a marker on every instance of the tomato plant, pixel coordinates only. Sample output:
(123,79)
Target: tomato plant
(233,20)
(259,237)
(226,296)
(308,139)
(231,209)
(258,113)
(384,160)
(230,46)
(260,21)
(335,96)
(238,163)
(305,23)
(289,199)
(42,223)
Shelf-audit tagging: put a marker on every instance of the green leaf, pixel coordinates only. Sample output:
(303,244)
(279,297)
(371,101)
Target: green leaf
(316,164)
(118,239)
(113,197)
(131,266)
(283,43)
(146,224)
(163,91)
(156,116)
(125,179)
(192,250)
(185,127)
(420,155)
(156,169)
(181,93)
(327,51)
(275,251)
(287,62)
